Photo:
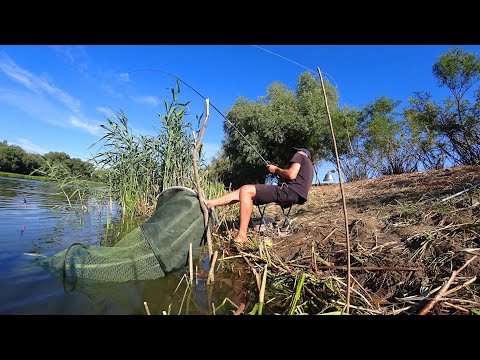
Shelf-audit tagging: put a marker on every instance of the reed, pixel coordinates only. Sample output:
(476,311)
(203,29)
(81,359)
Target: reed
(75,190)
(142,166)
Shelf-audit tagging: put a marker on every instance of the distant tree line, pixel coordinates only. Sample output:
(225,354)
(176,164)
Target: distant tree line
(14,159)
(376,140)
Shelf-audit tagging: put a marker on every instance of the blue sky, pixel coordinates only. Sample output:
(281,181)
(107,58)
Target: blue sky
(52,98)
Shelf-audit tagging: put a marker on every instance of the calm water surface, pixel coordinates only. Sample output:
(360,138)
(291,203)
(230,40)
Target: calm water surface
(35,223)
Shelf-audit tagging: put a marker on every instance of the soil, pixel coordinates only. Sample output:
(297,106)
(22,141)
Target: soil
(407,238)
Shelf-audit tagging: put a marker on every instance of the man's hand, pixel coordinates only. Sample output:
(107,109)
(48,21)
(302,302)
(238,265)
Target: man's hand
(288,174)
(272,168)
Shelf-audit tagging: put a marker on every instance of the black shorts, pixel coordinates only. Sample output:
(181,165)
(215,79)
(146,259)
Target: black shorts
(274,194)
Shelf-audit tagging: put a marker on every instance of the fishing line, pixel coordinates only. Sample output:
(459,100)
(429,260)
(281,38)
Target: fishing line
(191,87)
(315,75)
(296,63)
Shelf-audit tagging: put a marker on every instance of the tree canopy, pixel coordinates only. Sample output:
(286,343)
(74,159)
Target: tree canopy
(275,123)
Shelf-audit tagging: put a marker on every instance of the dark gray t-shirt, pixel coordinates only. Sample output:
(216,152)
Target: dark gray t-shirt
(304,179)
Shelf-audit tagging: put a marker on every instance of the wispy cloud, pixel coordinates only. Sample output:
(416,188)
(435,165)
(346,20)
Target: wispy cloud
(76,56)
(124,77)
(35,106)
(109,113)
(93,129)
(29,146)
(43,100)
(37,84)
(149,100)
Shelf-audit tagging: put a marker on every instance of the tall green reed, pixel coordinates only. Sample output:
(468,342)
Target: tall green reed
(142,166)
(75,189)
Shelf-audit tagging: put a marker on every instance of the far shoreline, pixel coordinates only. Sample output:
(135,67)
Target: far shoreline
(39,178)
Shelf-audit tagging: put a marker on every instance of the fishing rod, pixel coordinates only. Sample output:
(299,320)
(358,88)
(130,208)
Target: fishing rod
(191,87)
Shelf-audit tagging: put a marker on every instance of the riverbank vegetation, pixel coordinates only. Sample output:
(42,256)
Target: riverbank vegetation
(408,244)
(382,138)
(23,176)
(15,160)
(411,243)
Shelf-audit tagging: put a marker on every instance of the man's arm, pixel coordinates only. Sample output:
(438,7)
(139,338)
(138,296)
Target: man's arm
(289,174)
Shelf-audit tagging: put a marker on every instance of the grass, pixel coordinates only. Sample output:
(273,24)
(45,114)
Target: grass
(26,177)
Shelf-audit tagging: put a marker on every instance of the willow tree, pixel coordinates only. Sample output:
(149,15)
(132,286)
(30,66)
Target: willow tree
(269,127)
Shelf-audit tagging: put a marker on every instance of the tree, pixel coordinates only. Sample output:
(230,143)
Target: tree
(386,141)
(432,146)
(14,159)
(31,162)
(76,166)
(11,158)
(269,127)
(451,128)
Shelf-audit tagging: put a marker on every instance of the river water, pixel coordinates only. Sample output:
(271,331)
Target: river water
(35,222)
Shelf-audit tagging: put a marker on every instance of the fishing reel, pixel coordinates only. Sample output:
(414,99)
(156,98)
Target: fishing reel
(271,179)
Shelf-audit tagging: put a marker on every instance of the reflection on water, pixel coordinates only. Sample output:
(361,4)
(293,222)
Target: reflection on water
(35,223)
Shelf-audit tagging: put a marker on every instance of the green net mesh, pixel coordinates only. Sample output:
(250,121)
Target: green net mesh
(157,247)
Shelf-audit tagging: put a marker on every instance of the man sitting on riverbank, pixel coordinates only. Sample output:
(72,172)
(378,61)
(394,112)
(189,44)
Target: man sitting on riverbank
(294,188)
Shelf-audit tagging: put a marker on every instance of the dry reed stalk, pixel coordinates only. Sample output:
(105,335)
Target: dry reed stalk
(456,307)
(473,303)
(196,274)
(200,193)
(146,307)
(257,275)
(444,288)
(355,291)
(262,290)
(339,171)
(398,311)
(378,312)
(190,260)
(240,309)
(455,289)
(211,276)
(359,268)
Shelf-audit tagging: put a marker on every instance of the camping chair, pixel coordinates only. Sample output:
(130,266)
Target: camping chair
(287,222)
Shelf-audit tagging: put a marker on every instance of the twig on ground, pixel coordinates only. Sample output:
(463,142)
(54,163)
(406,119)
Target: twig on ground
(240,309)
(444,288)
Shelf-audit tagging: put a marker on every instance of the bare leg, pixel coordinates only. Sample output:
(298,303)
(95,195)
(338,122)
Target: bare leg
(230,198)
(247,194)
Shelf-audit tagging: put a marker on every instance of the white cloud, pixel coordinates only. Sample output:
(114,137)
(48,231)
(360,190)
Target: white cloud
(85,125)
(124,77)
(75,55)
(42,100)
(109,113)
(30,147)
(36,84)
(42,109)
(36,106)
(149,100)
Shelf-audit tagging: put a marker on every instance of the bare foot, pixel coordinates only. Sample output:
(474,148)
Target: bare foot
(240,239)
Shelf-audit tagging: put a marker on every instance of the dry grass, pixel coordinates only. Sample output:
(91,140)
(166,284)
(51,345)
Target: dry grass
(405,244)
